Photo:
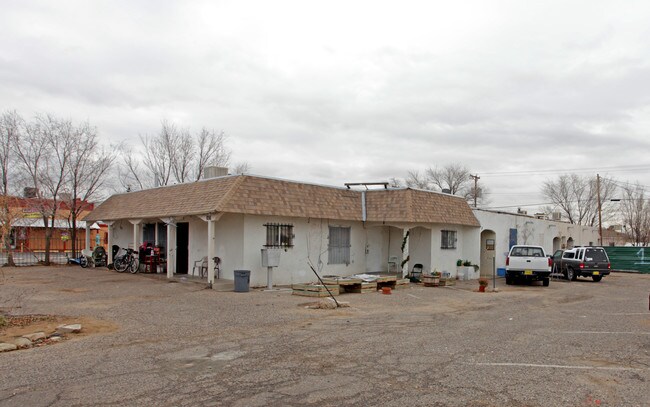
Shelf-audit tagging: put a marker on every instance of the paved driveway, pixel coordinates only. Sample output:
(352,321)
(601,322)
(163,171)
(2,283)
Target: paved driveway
(177,344)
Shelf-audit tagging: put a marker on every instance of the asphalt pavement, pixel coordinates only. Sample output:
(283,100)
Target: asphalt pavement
(178,344)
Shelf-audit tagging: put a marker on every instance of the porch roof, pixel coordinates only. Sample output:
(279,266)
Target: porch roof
(274,197)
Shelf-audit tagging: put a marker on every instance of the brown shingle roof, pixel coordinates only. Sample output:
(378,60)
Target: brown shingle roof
(266,196)
(411,205)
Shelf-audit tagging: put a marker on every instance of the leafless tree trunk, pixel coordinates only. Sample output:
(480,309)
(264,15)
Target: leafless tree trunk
(635,211)
(577,198)
(88,169)
(10,125)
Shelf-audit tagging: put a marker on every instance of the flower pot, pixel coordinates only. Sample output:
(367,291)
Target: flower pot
(481,288)
(386,290)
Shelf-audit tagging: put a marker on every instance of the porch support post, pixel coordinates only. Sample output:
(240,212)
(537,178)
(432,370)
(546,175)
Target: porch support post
(110,241)
(211,252)
(87,236)
(155,234)
(405,252)
(137,227)
(171,246)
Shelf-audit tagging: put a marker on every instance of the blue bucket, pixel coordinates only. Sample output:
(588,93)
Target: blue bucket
(501,272)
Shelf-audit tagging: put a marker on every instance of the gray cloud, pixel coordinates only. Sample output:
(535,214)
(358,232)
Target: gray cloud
(335,92)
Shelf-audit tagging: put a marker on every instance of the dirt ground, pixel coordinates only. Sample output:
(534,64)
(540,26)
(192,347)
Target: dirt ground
(149,342)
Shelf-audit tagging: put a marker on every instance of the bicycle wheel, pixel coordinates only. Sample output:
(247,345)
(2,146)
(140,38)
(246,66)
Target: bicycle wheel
(134,265)
(120,264)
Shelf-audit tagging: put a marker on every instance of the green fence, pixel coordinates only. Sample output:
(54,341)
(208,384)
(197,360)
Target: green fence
(629,258)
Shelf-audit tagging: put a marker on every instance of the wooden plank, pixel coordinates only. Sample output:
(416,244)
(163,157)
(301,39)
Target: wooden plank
(362,288)
(402,283)
(313,293)
(314,287)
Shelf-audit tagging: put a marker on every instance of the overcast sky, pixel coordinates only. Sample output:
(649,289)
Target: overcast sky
(352,91)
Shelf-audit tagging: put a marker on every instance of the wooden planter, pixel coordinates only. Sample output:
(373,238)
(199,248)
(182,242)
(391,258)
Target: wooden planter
(431,281)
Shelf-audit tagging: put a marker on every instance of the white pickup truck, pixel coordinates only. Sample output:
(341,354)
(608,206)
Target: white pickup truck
(528,263)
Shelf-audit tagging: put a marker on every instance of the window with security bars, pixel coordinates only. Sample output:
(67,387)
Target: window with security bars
(279,235)
(339,245)
(448,239)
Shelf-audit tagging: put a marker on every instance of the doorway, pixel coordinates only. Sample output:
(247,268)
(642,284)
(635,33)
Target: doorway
(182,247)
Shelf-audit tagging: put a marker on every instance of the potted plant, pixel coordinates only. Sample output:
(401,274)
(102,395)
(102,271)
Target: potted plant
(467,263)
(482,283)
(459,262)
(432,279)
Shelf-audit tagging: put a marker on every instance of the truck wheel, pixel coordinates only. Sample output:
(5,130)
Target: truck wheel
(570,274)
(546,282)
(509,280)
(597,278)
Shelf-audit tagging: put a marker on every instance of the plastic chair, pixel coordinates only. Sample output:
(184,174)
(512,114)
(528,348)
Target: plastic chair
(202,265)
(393,261)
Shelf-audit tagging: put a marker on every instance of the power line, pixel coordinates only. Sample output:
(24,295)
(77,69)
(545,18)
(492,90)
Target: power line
(621,168)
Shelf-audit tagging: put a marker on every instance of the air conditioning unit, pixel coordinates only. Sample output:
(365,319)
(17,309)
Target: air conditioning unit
(540,216)
(556,216)
(213,172)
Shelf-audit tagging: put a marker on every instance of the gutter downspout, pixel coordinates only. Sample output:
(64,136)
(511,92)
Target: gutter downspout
(363,206)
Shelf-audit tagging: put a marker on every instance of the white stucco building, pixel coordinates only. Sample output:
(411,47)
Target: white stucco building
(500,230)
(339,230)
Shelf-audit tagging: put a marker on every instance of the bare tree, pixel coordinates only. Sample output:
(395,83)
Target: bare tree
(577,198)
(88,168)
(453,177)
(10,125)
(213,152)
(130,172)
(480,193)
(241,168)
(635,212)
(33,153)
(174,155)
(415,180)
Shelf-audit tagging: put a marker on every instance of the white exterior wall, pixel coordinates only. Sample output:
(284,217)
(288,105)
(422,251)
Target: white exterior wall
(532,231)
(198,242)
(310,243)
(420,248)
(122,234)
(467,248)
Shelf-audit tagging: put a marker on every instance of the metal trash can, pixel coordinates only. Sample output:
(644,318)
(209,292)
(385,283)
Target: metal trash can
(242,280)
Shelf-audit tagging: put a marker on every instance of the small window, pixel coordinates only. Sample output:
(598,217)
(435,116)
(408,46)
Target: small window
(448,239)
(568,255)
(339,245)
(279,235)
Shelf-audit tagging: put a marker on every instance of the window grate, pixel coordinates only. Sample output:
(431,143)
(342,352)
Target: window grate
(279,235)
(339,245)
(448,239)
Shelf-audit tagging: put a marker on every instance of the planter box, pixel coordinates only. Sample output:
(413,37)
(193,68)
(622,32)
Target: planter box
(430,281)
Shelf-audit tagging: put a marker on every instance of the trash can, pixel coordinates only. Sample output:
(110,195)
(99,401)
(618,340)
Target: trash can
(242,280)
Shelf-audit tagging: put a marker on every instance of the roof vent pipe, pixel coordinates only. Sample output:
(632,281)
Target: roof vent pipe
(363,206)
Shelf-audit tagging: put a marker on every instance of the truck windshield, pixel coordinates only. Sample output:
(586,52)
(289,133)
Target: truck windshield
(527,252)
(595,255)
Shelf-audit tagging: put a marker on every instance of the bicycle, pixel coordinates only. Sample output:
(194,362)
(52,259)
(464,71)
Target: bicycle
(127,261)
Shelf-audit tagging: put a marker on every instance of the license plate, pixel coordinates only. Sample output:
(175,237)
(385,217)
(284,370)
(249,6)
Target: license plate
(596,273)
(528,272)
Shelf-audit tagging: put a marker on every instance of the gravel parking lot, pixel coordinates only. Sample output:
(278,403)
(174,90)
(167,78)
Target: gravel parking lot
(149,342)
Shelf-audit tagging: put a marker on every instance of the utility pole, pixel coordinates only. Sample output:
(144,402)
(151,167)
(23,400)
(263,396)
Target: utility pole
(476,178)
(600,217)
